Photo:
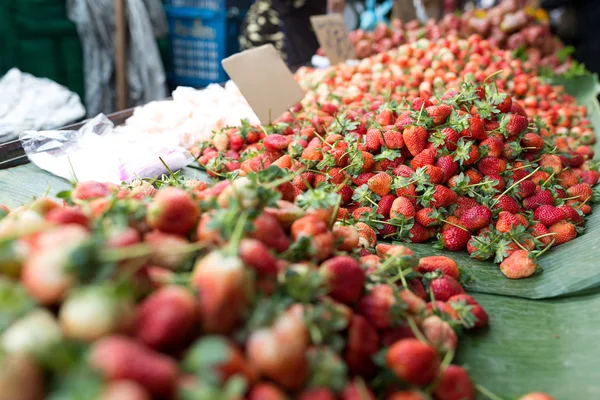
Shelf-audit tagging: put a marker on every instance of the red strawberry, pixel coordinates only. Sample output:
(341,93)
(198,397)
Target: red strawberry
(537,199)
(454,384)
(526,189)
(344,277)
(506,221)
(464,204)
(361,345)
(507,203)
(582,191)
(494,146)
(518,265)
(439,333)
(491,165)
(413,361)
(276,142)
(374,139)
(346,236)
(90,190)
(375,306)
(505,105)
(407,395)
(420,234)
(402,206)
(268,230)
(124,390)
(438,263)
(590,177)
(346,193)
(416,286)
(67,215)
(173,211)
(121,358)
(476,128)
(436,174)
(362,178)
(222,282)
(380,183)
(451,138)
(443,197)
(571,214)
(385,204)
(426,157)
(256,255)
(166,319)
(455,238)
(385,117)
(563,232)
(387,230)
(532,142)
(423,217)
(439,114)
(393,139)
(266,391)
(316,394)
(279,352)
(548,215)
(538,230)
(415,139)
(386,164)
(445,287)
(360,211)
(419,103)
(480,314)
(514,124)
(476,218)
(353,391)
(403,120)
(517,109)
(447,165)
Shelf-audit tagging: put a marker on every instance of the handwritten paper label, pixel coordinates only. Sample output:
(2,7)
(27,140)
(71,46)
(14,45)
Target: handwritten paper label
(265,81)
(333,37)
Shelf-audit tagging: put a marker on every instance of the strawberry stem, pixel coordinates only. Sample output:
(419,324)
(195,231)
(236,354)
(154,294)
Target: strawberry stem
(75,180)
(545,249)
(415,329)
(487,393)
(443,365)
(401,277)
(520,245)
(514,185)
(334,213)
(492,75)
(238,232)
(455,225)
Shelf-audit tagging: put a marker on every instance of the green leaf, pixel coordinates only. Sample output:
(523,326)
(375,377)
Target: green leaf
(548,345)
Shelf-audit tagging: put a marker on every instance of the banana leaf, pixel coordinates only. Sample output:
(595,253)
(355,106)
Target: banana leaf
(544,345)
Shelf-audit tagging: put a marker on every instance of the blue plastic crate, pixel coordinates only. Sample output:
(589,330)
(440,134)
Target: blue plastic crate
(200,38)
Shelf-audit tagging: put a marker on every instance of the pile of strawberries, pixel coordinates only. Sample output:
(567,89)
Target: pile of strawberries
(526,32)
(468,166)
(220,292)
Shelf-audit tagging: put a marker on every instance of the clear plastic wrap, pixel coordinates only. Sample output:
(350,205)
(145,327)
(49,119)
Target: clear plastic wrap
(101,153)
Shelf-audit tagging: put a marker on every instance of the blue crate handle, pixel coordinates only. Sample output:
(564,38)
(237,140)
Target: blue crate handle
(186,12)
